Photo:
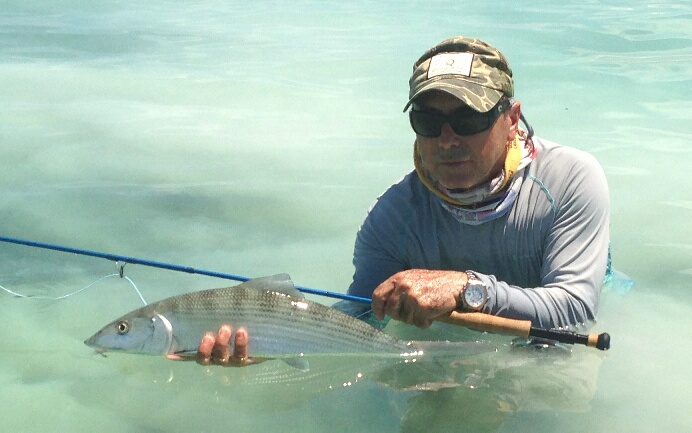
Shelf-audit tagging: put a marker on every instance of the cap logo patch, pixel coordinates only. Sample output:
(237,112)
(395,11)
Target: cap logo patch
(450,64)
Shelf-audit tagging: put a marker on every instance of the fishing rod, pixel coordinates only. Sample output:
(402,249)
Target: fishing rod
(477,321)
(168,266)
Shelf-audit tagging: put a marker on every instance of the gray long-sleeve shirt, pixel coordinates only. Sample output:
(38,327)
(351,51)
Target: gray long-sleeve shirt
(543,261)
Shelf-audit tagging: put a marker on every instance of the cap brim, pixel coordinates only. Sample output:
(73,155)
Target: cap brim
(480,98)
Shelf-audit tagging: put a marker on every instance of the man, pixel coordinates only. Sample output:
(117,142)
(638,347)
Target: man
(492,219)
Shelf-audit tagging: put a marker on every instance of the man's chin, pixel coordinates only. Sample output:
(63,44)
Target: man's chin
(457,185)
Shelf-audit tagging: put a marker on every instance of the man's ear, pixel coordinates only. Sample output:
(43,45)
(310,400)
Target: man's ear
(514,114)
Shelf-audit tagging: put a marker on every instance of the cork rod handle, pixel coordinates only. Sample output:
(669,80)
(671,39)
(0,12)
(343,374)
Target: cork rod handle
(522,328)
(488,323)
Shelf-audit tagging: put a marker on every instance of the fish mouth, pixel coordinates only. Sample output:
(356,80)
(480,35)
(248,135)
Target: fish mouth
(90,341)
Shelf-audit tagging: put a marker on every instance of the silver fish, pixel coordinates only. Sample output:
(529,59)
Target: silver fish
(280,321)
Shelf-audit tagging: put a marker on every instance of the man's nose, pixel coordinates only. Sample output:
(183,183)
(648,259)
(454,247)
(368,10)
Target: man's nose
(448,137)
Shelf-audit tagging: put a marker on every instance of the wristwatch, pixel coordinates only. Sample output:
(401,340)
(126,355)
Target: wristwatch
(474,295)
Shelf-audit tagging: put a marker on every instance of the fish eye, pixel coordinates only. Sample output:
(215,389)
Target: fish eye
(122,327)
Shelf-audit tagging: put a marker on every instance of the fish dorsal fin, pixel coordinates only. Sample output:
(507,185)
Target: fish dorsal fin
(280,283)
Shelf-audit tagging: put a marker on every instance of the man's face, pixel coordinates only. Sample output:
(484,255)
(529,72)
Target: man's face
(462,162)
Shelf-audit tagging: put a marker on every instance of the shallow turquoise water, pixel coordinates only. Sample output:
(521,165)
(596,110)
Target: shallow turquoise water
(251,139)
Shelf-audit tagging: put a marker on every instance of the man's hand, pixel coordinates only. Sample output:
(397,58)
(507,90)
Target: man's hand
(417,296)
(215,349)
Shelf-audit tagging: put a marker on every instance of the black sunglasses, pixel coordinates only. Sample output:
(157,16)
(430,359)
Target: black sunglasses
(464,121)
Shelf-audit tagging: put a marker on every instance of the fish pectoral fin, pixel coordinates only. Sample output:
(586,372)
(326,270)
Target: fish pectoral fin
(183,355)
(301,364)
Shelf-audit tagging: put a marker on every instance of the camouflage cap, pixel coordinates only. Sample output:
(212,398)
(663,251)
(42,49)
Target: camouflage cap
(470,69)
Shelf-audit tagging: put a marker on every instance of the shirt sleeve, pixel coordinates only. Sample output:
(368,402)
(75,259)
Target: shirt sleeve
(376,255)
(575,252)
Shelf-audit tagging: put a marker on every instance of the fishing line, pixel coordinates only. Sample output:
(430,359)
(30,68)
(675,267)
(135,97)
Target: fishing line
(58,298)
(122,260)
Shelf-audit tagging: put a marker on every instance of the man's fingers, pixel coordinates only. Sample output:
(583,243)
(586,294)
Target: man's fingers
(422,322)
(240,345)
(216,349)
(381,297)
(221,351)
(377,306)
(205,347)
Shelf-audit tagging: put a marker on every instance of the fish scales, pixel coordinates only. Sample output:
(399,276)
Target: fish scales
(306,327)
(315,325)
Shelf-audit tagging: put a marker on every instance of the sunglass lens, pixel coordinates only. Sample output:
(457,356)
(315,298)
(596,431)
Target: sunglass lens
(426,124)
(469,125)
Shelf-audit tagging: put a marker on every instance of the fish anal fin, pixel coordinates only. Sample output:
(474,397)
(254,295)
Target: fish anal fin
(301,364)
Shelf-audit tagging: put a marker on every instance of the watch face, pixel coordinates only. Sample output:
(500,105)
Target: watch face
(474,296)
